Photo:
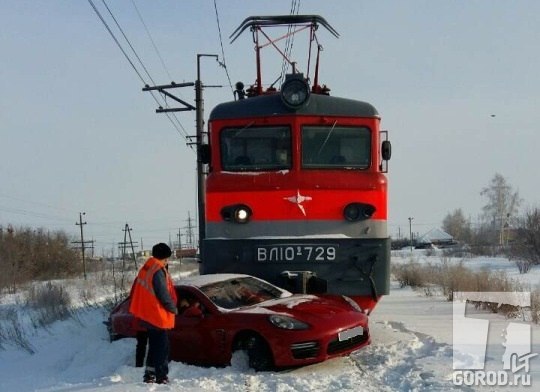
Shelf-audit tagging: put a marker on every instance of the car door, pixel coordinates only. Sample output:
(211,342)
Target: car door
(196,338)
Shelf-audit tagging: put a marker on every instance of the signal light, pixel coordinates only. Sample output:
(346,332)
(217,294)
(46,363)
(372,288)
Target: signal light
(238,213)
(358,211)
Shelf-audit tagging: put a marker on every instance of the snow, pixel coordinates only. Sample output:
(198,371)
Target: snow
(203,280)
(411,350)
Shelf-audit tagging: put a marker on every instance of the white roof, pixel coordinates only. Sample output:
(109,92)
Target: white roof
(435,235)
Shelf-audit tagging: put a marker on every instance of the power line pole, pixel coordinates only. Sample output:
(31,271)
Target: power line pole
(202,152)
(122,247)
(128,229)
(199,119)
(189,233)
(83,242)
(410,231)
(179,235)
(125,243)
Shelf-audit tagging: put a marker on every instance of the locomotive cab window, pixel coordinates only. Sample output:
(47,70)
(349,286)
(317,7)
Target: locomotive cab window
(255,148)
(335,146)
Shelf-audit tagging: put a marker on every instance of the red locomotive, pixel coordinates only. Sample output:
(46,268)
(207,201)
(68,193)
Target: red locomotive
(296,192)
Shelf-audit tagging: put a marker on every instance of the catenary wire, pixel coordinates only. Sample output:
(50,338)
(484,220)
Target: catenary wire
(223,64)
(295,9)
(160,58)
(152,40)
(185,134)
(179,130)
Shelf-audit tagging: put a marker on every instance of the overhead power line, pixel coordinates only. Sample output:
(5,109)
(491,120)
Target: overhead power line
(128,42)
(115,40)
(151,40)
(177,125)
(183,133)
(223,64)
(35,214)
(295,9)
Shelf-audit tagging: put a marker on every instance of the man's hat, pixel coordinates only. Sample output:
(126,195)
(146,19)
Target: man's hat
(161,251)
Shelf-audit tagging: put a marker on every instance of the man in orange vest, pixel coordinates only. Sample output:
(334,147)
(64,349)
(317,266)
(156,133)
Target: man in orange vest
(153,301)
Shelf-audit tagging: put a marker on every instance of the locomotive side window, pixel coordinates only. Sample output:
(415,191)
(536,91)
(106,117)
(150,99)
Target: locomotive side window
(255,148)
(336,147)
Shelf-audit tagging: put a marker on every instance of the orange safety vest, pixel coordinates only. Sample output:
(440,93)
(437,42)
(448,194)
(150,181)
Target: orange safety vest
(144,303)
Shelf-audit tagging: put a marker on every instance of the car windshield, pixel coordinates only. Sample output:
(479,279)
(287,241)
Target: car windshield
(335,146)
(241,291)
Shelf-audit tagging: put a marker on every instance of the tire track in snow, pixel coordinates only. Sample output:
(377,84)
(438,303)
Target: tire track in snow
(405,360)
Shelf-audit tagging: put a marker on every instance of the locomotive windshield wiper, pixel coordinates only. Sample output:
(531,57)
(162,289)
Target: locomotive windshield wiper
(327,137)
(243,129)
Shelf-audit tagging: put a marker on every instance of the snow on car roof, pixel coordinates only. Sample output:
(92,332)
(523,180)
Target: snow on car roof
(203,280)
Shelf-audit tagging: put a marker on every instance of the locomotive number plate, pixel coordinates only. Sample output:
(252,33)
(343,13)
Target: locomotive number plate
(296,253)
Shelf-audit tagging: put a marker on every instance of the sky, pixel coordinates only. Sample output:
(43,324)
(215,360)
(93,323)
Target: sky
(411,349)
(456,84)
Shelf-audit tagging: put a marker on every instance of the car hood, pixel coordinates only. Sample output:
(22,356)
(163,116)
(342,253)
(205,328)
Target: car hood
(305,307)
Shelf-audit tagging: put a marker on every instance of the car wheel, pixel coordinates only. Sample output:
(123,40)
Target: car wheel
(259,354)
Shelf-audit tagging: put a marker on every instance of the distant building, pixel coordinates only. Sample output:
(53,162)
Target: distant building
(435,237)
(185,252)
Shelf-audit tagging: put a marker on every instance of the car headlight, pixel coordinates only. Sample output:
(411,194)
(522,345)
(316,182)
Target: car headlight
(286,322)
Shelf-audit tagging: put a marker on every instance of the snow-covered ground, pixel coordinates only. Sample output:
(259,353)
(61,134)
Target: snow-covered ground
(411,350)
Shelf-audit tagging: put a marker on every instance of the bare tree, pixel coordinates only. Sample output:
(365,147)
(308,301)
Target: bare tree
(457,226)
(525,249)
(501,208)
(27,254)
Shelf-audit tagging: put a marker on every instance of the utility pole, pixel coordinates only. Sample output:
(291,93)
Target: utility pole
(180,244)
(199,120)
(81,223)
(410,232)
(189,233)
(125,243)
(122,246)
(199,135)
(83,242)
(128,229)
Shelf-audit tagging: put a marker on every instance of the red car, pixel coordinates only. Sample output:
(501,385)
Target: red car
(222,313)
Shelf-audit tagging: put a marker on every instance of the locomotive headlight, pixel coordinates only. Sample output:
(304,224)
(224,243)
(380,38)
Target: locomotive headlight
(241,215)
(295,91)
(238,213)
(358,211)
